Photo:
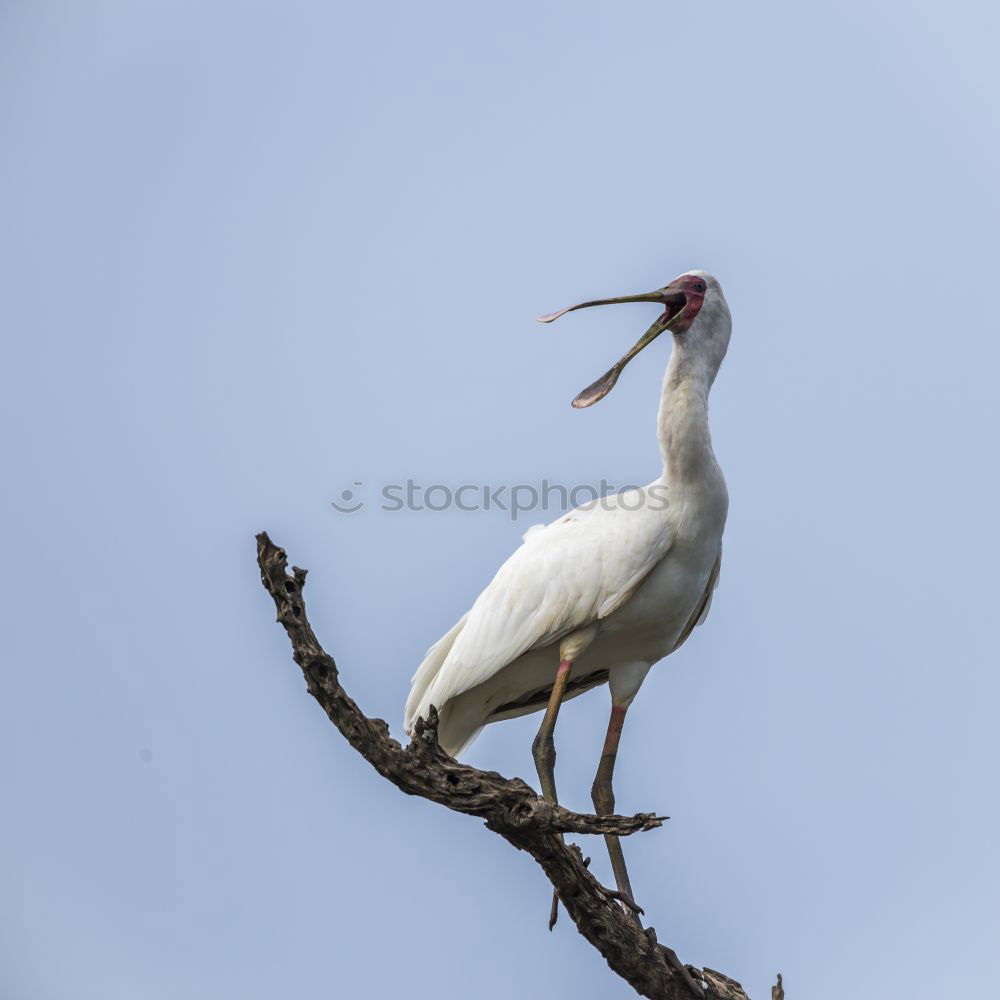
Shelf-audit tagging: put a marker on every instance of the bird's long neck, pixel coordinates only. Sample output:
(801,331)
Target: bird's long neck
(685,441)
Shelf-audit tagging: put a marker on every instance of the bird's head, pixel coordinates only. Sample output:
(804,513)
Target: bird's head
(695,312)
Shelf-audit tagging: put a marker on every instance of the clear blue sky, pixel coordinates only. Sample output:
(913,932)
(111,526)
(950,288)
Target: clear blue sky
(347,215)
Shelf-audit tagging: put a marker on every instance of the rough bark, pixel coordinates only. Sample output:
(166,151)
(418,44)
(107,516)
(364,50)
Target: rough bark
(509,807)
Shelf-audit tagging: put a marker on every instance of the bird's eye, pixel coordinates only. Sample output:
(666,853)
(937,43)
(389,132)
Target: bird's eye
(700,287)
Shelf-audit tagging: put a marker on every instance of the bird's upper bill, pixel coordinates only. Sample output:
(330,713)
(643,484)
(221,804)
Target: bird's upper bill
(681,301)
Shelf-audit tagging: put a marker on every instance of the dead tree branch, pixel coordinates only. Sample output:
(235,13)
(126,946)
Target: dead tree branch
(508,805)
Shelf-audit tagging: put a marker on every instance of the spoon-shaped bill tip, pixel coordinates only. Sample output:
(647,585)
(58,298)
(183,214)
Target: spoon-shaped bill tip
(549,317)
(596,391)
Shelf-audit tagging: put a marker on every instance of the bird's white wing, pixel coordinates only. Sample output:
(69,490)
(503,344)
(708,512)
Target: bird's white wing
(575,571)
(703,606)
(429,668)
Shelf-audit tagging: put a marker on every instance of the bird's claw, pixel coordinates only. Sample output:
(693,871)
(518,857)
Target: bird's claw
(625,901)
(681,969)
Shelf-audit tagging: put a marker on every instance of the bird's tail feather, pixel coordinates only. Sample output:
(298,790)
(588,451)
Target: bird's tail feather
(426,673)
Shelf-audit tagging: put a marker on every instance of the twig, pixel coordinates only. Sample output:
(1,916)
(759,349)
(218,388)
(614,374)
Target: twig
(509,806)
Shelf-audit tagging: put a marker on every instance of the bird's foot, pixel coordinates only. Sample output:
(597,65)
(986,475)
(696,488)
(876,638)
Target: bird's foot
(626,901)
(678,966)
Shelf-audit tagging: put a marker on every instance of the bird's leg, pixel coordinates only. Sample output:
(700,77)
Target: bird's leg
(543,749)
(604,801)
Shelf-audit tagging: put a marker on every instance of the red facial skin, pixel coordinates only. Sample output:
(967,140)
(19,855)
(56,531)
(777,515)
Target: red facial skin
(695,289)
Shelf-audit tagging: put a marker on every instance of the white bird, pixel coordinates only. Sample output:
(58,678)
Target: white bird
(604,592)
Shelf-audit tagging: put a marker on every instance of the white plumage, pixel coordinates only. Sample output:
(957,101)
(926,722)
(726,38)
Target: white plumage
(614,585)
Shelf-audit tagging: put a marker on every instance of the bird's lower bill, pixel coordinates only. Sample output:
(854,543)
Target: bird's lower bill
(674,303)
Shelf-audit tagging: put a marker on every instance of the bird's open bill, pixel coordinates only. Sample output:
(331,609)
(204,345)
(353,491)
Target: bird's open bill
(671,298)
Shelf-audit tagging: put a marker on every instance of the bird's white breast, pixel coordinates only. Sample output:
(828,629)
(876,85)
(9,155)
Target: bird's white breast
(649,624)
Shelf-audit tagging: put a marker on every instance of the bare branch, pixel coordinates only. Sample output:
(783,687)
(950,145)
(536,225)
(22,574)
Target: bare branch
(509,806)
